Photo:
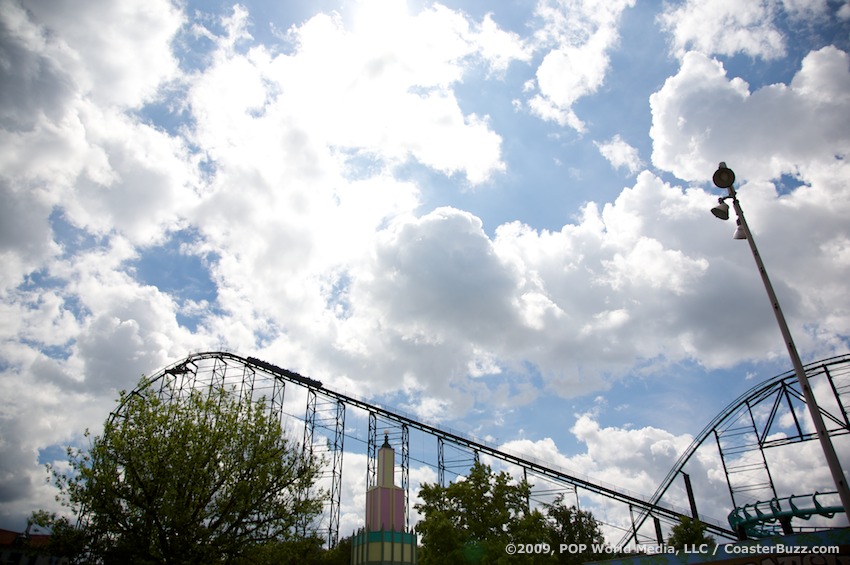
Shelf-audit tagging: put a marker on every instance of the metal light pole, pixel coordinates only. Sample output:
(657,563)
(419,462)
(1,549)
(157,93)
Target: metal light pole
(724,178)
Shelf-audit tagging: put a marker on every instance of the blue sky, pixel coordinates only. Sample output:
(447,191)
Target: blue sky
(495,216)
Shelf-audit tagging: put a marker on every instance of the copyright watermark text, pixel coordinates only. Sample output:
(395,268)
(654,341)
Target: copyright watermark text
(705,549)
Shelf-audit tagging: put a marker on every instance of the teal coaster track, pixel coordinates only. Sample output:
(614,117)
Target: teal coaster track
(742,432)
(760,519)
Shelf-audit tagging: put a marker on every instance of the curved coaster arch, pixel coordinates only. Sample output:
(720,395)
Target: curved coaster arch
(766,416)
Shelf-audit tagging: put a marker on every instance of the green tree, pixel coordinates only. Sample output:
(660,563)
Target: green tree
(339,555)
(689,532)
(531,530)
(471,521)
(202,478)
(304,551)
(571,526)
(65,539)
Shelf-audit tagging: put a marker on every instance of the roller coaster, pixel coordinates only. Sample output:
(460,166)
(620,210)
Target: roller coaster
(767,416)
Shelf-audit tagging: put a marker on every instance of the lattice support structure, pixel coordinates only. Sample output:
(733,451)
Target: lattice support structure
(840,384)
(441,462)
(372,452)
(309,423)
(405,472)
(328,414)
(336,474)
(461,459)
(218,374)
(742,454)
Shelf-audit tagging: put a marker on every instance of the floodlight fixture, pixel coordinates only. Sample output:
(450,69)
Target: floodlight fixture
(721,210)
(723,177)
(740,233)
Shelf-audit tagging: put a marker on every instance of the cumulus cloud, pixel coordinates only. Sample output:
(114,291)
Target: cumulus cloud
(628,460)
(635,460)
(701,117)
(311,137)
(582,34)
(762,29)
(499,47)
(276,183)
(725,28)
(95,41)
(25,240)
(439,300)
(383,90)
(74,163)
(75,149)
(439,274)
(620,154)
(625,280)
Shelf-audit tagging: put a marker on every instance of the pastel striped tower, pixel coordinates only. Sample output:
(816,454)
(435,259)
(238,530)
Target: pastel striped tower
(384,540)
(385,501)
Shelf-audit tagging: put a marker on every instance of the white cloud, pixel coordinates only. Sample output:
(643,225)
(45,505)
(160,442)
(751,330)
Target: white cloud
(700,117)
(69,146)
(94,42)
(620,154)
(383,89)
(629,460)
(583,304)
(310,138)
(145,189)
(583,32)
(25,240)
(725,27)
(646,277)
(83,183)
(565,75)
(439,275)
(635,460)
(297,128)
(806,9)
(500,48)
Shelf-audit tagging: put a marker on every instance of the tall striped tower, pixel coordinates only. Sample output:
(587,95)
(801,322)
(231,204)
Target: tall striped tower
(384,541)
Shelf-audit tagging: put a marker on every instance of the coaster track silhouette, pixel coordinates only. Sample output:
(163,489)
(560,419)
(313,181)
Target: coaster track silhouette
(737,433)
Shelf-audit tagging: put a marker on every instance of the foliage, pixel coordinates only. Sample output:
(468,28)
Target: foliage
(202,478)
(689,532)
(339,555)
(473,520)
(470,520)
(569,525)
(65,539)
(305,551)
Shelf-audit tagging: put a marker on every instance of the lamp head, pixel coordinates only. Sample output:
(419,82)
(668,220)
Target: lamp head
(723,176)
(721,210)
(740,233)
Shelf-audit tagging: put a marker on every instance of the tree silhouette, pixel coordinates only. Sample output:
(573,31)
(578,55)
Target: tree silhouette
(689,532)
(202,478)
